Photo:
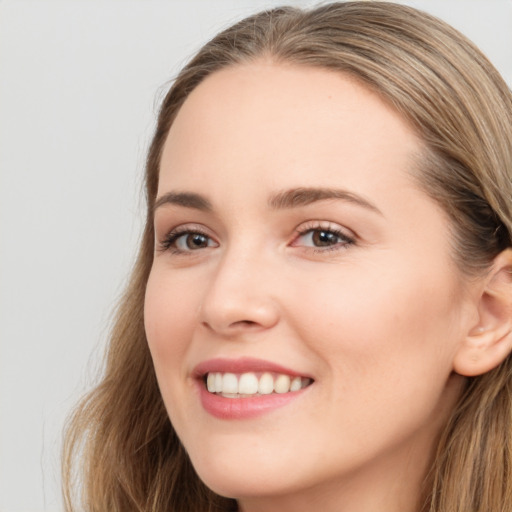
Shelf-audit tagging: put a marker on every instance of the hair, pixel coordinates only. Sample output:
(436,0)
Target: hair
(121,452)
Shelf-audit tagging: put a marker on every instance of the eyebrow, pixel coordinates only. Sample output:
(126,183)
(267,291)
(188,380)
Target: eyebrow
(186,199)
(292,198)
(296,197)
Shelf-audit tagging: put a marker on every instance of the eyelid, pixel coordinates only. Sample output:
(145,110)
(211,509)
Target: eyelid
(165,242)
(324,225)
(348,236)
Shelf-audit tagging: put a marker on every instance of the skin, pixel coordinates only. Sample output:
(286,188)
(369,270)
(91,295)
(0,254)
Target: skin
(376,321)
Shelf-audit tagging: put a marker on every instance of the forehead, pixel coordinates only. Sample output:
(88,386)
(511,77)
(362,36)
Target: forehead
(271,120)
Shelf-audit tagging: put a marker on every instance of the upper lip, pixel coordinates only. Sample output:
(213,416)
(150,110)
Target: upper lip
(242,365)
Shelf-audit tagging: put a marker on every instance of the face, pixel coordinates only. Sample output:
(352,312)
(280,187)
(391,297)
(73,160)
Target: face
(303,309)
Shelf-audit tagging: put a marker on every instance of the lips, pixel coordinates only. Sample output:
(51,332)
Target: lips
(246,387)
(242,365)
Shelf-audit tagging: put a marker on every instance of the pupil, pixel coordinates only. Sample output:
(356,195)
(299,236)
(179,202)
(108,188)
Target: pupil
(322,238)
(195,241)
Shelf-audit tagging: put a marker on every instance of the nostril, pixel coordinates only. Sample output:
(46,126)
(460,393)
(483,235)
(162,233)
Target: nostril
(244,323)
(239,325)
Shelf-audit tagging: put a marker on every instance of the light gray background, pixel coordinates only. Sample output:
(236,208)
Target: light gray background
(79,81)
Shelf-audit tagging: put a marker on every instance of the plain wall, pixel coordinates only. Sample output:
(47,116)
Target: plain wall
(79,84)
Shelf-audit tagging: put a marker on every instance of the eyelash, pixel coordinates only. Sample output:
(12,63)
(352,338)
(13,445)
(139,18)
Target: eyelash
(169,242)
(346,240)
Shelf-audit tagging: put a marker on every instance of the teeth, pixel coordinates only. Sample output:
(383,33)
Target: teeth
(231,385)
(296,384)
(210,383)
(248,384)
(282,384)
(218,382)
(266,384)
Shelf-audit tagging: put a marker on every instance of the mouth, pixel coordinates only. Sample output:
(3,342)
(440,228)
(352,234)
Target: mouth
(252,384)
(247,387)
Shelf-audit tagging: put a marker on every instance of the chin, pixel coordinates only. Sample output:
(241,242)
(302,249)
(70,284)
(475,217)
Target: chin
(236,486)
(243,479)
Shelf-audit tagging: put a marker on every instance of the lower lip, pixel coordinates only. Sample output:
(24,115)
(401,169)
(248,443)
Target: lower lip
(242,408)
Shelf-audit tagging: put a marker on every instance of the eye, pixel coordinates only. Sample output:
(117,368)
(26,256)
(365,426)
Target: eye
(323,238)
(183,241)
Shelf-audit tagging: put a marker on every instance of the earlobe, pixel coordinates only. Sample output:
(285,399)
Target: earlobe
(489,342)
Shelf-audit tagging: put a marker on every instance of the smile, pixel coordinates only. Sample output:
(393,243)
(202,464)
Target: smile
(236,389)
(251,384)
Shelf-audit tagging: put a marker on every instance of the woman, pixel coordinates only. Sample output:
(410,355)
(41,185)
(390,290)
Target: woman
(320,316)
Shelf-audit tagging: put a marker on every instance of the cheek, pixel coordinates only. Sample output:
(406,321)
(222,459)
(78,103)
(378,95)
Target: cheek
(384,338)
(169,316)
(386,312)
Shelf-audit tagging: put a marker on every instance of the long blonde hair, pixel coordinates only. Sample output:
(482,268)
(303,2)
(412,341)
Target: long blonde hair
(121,452)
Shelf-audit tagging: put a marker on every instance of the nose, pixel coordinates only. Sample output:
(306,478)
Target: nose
(242,296)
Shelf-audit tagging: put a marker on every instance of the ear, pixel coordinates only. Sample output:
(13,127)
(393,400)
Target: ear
(489,342)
